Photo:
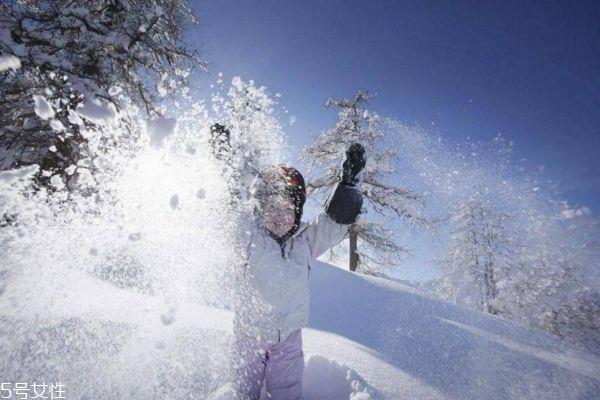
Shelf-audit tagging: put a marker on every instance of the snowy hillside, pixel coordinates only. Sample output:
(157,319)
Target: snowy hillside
(368,339)
(407,345)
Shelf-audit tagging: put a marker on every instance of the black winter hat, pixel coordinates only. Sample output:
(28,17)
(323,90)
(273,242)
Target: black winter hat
(289,181)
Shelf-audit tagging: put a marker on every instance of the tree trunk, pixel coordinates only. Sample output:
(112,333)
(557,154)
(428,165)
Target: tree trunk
(490,291)
(354,259)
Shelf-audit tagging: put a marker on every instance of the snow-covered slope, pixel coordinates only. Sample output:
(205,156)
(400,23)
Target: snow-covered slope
(368,338)
(404,344)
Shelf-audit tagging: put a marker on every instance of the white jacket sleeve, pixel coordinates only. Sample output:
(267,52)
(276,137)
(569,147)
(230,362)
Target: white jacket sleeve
(330,227)
(321,234)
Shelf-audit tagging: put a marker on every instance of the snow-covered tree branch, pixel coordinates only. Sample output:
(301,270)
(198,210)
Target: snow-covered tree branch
(79,64)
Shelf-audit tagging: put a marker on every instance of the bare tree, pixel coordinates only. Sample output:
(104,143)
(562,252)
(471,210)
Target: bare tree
(77,55)
(377,249)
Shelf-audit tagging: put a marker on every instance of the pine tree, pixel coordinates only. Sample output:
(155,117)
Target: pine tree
(373,247)
(480,256)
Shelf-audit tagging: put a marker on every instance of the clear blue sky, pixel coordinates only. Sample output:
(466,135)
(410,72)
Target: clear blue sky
(527,69)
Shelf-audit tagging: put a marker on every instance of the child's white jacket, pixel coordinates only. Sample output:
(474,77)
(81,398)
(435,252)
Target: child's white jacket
(277,277)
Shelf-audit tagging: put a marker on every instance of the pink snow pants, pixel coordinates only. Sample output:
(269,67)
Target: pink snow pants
(280,365)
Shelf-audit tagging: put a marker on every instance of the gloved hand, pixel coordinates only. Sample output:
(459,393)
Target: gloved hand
(345,201)
(354,161)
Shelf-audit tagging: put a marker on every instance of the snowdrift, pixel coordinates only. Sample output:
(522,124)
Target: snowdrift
(368,338)
(405,344)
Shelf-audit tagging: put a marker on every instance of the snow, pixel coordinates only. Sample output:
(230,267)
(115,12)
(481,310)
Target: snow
(325,379)
(406,344)
(70,170)
(57,125)
(10,177)
(42,107)
(160,86)
(569,213)
(74,118)
(159,129)
(57,182)
(114,90)
(168,317)
(8,61)
(97,111)
(174,201)
(134,237)
(162,91)
(237,83)
(368,338)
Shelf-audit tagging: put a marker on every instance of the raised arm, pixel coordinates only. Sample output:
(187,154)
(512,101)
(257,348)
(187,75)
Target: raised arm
(341,208)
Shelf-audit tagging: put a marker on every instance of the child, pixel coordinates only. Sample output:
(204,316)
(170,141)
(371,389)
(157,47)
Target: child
(273,307)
